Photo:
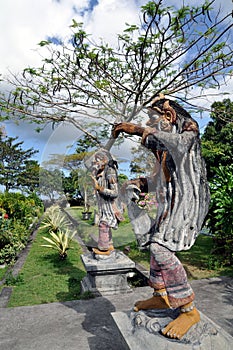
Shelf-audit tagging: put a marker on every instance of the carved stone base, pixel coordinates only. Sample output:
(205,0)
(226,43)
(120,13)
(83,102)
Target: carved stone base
(141,330)
(107,275)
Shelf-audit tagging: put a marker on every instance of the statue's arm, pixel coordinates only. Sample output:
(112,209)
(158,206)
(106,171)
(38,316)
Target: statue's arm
(128,128)
(175,143)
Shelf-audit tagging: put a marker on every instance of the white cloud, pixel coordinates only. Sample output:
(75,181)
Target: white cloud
(110,16)
(26,23)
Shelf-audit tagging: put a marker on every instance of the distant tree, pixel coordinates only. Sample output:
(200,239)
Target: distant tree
(73,165)
(28,180)
(217,145)
(122,178)
(71,162)
(93,85)
(85,185)
(72,189)
(51,184)
(70,183)
(67,162)
(14,163)
(143,161)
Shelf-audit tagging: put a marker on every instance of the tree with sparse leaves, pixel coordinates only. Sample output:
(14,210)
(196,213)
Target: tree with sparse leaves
(93,85)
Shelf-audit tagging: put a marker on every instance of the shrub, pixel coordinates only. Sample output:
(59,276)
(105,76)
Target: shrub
(220,216)
(17,213)
(20,207)
(13,238)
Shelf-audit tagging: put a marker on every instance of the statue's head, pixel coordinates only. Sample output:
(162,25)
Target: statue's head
(98,161)
(167,115)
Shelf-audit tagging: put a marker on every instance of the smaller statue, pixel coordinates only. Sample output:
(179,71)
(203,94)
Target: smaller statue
(104,175)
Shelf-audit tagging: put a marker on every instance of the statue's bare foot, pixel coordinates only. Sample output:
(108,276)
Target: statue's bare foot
(103,252)
(156,302)
(180,326)
(100,252)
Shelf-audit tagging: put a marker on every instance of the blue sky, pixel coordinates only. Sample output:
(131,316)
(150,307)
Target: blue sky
(27,22)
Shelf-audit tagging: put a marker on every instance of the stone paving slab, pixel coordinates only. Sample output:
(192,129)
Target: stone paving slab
(77,325)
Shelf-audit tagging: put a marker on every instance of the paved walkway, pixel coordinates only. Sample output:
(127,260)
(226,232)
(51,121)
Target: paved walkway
(88,324)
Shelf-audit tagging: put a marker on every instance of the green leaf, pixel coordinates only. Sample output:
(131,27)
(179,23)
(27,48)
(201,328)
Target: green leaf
(44,43)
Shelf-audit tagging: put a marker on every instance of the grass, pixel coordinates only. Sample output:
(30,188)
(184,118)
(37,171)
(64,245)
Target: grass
(199,261)
(45,278)
(2,272)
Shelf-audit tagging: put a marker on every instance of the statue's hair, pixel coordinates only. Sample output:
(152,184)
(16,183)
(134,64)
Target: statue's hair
(184,119)
(179,110)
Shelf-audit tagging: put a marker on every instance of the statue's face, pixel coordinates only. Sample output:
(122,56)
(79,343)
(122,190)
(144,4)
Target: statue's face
(98,163)
(160,121)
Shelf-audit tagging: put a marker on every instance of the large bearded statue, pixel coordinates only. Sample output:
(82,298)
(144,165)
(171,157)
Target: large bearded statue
(182,192)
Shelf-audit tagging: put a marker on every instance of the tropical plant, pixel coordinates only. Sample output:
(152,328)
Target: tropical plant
(59,241)
(57,226)
(147,201)
(21,208)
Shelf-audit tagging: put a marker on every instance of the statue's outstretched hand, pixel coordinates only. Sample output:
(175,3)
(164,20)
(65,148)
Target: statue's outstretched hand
(148,131)
(128,128)
(117,129)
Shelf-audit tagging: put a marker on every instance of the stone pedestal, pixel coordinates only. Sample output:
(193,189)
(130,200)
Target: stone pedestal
(141,330)
(107,275)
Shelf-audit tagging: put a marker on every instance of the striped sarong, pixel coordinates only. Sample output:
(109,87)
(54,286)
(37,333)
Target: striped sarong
(166,271)
(105,236)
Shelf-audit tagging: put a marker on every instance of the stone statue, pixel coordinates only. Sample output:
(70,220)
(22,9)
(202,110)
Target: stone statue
(182,192)
(104,175)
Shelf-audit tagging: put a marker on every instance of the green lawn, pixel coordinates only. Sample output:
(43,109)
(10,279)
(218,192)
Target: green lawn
(2,272)
(45,278)
(200,262)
